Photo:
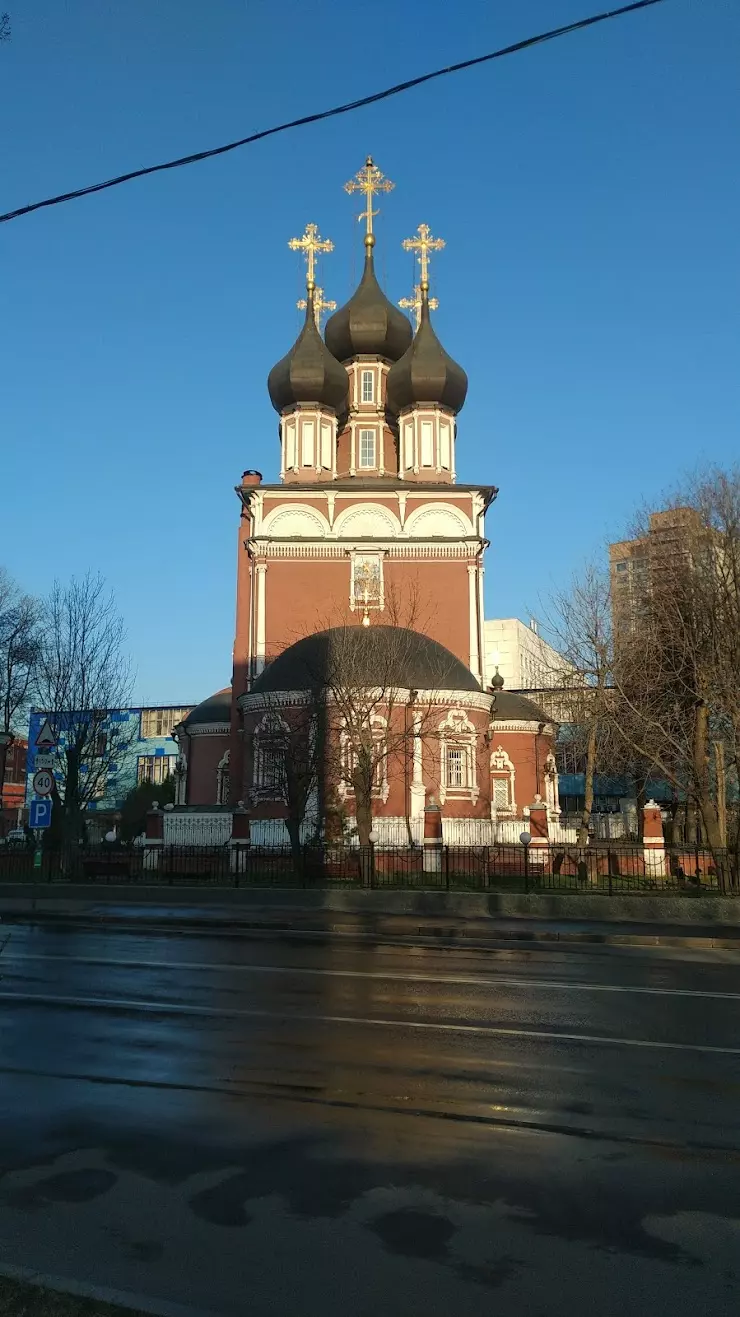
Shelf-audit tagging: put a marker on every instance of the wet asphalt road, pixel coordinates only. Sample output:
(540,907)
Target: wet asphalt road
(283,1127)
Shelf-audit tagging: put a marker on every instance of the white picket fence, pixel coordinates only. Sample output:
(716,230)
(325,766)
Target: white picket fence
(197,828)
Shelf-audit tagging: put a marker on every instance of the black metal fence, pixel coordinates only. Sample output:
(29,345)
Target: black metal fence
(606,868)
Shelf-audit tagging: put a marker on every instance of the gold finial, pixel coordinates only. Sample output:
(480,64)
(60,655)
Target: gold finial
(319,306)
(424,244)
(311,243)
(414,303)
(369,180)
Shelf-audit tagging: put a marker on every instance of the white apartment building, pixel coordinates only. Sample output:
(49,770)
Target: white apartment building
(523,658)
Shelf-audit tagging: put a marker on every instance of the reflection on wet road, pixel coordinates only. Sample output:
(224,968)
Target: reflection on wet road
(274,1127)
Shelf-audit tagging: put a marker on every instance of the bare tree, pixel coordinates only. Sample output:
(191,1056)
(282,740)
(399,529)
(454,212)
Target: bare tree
(678,679)
(4,27)
(373,717)
(19,652)
(83,675)
(579,620)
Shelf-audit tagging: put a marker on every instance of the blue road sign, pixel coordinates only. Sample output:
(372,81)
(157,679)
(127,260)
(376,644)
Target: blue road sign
(40,814)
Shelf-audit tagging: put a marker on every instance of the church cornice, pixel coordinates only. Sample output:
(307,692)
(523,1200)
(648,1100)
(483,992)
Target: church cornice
(260,700)
(372,485)
(302,548)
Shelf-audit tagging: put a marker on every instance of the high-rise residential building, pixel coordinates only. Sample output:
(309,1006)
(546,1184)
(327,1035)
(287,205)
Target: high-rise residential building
(637,566)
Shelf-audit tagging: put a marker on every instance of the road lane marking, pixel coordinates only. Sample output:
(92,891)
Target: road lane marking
(479,1030)
(468,980)
(454,980)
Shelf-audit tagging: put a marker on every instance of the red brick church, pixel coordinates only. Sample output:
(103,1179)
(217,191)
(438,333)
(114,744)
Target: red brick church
(360,598)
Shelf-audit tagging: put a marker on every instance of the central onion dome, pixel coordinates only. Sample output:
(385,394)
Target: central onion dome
(368,324)
(426,373)
(309,373)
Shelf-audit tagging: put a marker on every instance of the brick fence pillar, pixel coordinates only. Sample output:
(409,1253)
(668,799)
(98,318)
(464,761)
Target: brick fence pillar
(538,831)
(653,842)
(432,837)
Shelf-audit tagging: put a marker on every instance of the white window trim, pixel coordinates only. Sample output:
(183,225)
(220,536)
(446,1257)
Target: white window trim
(356,603)
(372,431)
(345,788)
(366,374)
(270,727)
(456,731)
(223,780)
(501,766)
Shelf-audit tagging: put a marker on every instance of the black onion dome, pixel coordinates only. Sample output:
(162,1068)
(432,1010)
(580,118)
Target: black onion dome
(309,373)
(368,324)
(426,373)
(393,656)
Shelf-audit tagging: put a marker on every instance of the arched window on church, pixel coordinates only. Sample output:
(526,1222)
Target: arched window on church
(271,745)
(458,773)
(223,781)
(378,731)
(503,781)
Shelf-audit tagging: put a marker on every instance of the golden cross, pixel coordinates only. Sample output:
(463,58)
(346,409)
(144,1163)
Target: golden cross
(319,305)
(414,303)
(424,244)
(369,180)
(311,243)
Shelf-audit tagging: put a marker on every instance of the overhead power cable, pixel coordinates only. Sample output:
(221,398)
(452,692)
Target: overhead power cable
(399,87)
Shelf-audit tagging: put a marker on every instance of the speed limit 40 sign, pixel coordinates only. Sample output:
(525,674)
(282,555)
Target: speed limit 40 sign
(43,782)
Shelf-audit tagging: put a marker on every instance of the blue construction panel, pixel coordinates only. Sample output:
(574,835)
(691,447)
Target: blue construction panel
(122,775)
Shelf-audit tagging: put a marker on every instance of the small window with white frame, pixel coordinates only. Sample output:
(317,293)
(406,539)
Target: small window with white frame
(367,442)
(501,792)
(368,386)
(457,767)
(503,777)
(458,775)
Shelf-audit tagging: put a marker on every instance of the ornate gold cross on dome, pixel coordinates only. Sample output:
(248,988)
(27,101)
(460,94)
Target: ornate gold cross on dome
(310,244)
(424,244)
(414,303)
(319,305)
(369,180)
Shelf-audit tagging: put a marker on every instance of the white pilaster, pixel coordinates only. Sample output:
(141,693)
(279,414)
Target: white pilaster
(418,791)
(481,614)
(473,614)
(259,663)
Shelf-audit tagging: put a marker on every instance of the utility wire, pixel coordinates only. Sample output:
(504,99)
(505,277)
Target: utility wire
(330,114)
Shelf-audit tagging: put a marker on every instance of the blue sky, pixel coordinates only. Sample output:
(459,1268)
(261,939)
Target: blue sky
(588,192)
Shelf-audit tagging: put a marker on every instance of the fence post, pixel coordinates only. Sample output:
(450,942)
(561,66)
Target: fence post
(447,867)
(526,868)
